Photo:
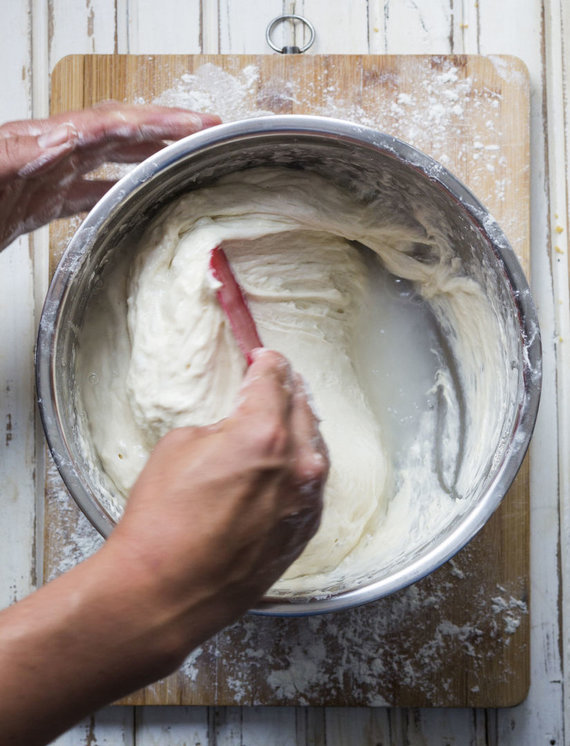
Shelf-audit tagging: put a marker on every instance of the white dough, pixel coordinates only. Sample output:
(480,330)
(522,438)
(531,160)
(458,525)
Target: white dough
(172,360)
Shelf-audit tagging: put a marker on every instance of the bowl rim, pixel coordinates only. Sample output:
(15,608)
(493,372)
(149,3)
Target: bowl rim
(304,126)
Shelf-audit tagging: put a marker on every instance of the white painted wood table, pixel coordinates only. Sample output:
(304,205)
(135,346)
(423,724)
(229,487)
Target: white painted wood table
(34,34)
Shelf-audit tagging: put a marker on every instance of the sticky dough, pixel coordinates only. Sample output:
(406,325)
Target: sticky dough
(172,360)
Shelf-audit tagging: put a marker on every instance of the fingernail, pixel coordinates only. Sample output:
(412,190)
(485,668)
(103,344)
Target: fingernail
(200,120)
(57,136)
(210,120)
(256,353)
(188,117)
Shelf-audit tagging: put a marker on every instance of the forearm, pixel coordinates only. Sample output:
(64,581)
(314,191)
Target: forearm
(214,519)
(86,639)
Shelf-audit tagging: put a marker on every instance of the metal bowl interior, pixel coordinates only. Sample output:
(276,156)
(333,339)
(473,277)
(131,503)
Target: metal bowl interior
(366,163)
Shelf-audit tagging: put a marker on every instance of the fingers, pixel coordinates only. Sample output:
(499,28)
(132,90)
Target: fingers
(26,127)
(115,116)
(310,451)
(123,133)
(310,464)
(264,404)
(274,406)
(277,420)
(30,156)
(41,159)
(112,122)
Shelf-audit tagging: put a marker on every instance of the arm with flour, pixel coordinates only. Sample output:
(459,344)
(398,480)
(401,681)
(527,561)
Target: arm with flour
(216,516)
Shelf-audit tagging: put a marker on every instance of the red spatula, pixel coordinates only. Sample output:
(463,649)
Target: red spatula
(233,302)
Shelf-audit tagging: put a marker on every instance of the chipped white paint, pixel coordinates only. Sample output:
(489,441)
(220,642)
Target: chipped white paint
(558,112)
(39,34)
(165,27)
(17,502)
(539,719)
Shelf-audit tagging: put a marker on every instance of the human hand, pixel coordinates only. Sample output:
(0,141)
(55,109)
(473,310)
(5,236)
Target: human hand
(43,161)
(220,512)
(216,516)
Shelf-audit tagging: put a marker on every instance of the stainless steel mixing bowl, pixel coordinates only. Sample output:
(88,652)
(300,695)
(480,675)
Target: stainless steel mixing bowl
(365,162)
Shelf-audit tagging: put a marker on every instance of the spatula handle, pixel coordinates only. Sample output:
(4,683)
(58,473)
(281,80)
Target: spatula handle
(233,302)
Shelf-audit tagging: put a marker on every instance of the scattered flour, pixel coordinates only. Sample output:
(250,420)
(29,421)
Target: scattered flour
(71,537)
(417,640)
(422,640)
(423,116)
(210,89)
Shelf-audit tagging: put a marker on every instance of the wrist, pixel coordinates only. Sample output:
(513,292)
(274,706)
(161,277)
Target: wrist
(169,612)
(85,639)
(140,617)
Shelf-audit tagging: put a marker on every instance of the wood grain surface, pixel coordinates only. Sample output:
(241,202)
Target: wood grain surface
(461,636)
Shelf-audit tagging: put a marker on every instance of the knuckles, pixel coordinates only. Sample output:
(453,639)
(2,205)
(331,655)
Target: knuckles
(269,437)
(312,468)
(10,156)
(266,361)
(177,439)
(301,525)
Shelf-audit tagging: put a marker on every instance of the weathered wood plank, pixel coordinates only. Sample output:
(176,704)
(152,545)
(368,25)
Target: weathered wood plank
(61,29)
(311,726)
(439,727)
(242,25)
(226,726)
(510,27)
(258,722)
(172,726)
(165,27)
(347,35)
(464,27)
(17,441)
(112,726)
(421,28)
(505,28)
(562,296)
(17,336)
(80,28)
(358,725)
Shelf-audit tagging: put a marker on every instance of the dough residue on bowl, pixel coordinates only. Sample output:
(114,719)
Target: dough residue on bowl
(156,353)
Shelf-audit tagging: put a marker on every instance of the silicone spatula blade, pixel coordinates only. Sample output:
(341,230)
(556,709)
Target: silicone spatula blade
(232,300)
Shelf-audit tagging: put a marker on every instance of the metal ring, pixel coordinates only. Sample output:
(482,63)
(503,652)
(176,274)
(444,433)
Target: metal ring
(289,17)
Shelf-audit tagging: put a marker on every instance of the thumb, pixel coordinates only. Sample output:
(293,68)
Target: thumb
(267,388)
(27,156)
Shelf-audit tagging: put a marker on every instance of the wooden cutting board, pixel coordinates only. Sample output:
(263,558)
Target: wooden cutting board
(461,636)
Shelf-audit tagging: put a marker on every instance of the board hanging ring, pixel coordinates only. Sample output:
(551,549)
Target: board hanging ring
(289,49)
